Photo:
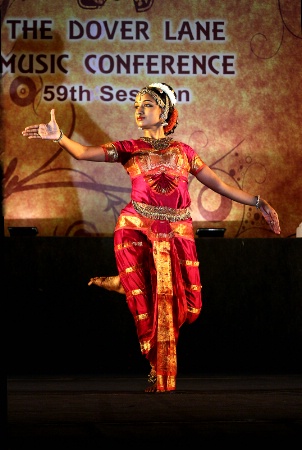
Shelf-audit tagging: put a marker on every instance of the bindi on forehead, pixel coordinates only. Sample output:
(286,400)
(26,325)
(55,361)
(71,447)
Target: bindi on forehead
(140,98)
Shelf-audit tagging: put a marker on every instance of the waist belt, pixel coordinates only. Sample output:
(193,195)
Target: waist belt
(161,212)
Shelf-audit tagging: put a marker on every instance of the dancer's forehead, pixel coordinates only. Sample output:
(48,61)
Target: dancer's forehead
(153,94)
(141,98)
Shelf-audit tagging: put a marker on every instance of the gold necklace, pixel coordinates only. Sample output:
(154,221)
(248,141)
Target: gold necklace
(158,144)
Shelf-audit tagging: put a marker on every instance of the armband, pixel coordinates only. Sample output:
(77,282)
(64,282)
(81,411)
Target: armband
(257,204)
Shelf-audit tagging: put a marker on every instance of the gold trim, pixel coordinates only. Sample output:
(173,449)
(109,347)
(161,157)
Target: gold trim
(188,262)
(194,310)
(111,154)
(161,212)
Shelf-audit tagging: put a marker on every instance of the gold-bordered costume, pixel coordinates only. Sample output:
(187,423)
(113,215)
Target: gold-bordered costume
(155,248)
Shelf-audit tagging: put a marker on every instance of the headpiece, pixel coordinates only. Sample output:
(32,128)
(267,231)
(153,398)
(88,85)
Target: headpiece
(162,87)
(165,105)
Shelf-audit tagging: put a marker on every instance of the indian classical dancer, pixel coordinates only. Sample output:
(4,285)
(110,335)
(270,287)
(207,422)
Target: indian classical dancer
(154,243)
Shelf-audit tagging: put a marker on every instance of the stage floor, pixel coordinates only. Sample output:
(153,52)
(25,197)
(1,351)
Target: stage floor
(88,412)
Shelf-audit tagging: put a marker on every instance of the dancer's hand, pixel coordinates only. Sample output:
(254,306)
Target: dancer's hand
(49,131)
(271,216)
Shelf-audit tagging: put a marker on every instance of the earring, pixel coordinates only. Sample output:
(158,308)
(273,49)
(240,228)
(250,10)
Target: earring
(139,128)
(162,116)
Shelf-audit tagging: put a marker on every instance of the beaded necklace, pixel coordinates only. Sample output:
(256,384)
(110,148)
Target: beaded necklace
(158,144)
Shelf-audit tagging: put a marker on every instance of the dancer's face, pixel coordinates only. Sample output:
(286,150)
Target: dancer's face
(147,112)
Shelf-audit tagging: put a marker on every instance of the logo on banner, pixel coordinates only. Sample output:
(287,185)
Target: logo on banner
(140,5)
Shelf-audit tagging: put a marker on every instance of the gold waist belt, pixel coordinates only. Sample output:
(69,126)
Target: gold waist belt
(161,212)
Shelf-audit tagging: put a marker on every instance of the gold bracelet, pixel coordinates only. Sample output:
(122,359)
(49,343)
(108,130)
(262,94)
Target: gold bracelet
(257,204)
(60,137)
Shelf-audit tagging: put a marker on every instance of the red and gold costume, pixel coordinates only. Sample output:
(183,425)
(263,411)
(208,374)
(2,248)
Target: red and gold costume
(155,248)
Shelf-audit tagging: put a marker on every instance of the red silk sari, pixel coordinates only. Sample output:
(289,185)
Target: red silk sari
(155,249)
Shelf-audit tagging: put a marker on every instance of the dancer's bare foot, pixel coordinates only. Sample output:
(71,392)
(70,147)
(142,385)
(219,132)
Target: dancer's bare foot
(152,388)
(109,283)
(152,379)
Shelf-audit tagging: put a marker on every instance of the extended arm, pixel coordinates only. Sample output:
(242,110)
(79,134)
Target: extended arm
(207,177)
(51,131)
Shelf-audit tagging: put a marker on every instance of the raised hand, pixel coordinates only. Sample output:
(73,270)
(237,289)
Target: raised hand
(50,130)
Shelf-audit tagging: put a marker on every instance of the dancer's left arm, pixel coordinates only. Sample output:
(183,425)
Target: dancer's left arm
(208,177)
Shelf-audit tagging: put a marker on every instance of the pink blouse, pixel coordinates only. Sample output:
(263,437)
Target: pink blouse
(158,177)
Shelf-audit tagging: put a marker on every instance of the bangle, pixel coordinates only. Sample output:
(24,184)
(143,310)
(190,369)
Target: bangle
(257,204)
(60,137)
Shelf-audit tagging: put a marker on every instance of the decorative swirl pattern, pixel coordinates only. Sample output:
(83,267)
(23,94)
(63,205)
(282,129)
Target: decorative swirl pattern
(259,42)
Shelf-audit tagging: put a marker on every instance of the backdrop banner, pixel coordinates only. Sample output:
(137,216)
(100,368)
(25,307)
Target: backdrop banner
(235,66)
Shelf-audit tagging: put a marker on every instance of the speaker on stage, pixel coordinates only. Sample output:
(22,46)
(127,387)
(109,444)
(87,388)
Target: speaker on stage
(23,231)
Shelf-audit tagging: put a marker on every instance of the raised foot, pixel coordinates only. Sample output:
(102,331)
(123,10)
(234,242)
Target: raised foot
(109,283)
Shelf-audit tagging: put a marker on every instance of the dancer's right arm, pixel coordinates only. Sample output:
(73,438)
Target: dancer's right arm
(51,131)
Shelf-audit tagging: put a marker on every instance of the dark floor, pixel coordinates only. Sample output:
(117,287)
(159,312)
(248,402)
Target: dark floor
(88,412)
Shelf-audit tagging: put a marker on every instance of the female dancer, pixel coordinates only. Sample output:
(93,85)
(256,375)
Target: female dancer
(154,244)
